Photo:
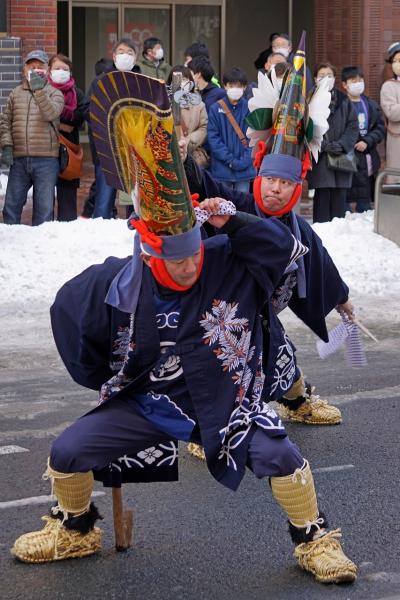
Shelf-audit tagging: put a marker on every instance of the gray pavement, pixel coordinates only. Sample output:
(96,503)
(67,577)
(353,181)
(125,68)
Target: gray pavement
(195,540)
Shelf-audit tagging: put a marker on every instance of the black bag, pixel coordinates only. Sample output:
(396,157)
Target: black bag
(63,157)
(342,162)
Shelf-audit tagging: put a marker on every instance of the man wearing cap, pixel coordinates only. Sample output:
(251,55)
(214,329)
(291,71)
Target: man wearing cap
(29,142)
(313,287)
(176,347)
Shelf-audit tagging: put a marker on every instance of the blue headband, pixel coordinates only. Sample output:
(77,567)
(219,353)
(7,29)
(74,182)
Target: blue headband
(281,165)
(123,292)
(176,247)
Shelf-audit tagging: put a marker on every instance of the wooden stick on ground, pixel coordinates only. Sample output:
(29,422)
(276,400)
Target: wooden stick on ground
(123,522)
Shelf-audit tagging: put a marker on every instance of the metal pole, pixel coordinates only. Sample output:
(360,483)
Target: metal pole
(377,193)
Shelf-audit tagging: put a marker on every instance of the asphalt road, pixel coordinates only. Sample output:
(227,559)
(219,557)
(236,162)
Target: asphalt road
(195,540)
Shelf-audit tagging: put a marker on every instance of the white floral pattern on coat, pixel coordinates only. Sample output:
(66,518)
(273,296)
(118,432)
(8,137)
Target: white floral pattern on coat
(233,335)
(148,456)
(285,367)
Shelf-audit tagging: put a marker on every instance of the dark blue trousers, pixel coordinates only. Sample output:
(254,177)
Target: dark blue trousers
(114,429)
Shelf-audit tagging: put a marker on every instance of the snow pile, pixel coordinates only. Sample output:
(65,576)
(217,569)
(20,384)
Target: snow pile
(368,262)
(36,261)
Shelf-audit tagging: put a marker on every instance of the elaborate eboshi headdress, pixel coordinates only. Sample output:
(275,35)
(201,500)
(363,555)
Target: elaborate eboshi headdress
(133,131)
(286,128)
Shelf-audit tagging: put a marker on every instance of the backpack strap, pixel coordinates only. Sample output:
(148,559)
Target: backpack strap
(234,123)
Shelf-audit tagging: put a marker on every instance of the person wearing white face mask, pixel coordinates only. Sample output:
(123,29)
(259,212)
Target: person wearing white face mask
(124,56)
(332,185)
(371,133)
(71,118)
(390,103)
(124,59)
(282,44)
(230,156)
(153,62)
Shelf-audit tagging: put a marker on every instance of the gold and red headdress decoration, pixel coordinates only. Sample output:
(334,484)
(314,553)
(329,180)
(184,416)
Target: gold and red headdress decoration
(133,131)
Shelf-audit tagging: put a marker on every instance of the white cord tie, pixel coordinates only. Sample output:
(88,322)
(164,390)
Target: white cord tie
(301,473)
(317,523)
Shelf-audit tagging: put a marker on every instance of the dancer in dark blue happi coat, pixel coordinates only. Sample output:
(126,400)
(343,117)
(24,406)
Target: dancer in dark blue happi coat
(218,342)
(173,340)
(312,289)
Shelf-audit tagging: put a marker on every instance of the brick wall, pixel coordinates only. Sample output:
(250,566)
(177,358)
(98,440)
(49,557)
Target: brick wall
(10,67)
(35,22)
(357,33)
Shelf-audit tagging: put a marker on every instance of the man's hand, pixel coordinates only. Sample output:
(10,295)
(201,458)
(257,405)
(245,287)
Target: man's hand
(212,205)
(36,81)
(7,156)
(348,309)
(183,148)
(361,146)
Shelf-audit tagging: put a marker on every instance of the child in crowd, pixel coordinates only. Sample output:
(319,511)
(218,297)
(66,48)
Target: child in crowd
(371,133)
(230,160)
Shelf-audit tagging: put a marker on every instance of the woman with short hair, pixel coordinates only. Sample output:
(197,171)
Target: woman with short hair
(331,186)
(71,118)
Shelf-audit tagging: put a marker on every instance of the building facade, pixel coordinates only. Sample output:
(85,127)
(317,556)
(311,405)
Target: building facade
(342,32)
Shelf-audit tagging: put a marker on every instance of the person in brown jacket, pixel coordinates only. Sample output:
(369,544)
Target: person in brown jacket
(193,114)
(29,141)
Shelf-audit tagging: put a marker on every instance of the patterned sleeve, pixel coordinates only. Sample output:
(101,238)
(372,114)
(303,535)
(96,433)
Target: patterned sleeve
(298,250)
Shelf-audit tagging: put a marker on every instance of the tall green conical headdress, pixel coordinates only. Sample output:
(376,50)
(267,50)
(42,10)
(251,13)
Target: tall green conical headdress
(289,125)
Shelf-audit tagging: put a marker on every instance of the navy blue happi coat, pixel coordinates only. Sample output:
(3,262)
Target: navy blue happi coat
(219,341)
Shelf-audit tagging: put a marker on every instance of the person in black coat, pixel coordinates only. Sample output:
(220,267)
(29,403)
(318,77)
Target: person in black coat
(203,72)
(280,43)
(331,187)
(371,133)
(71,119)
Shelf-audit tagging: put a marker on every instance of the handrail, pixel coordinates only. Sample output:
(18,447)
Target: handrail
(381,175)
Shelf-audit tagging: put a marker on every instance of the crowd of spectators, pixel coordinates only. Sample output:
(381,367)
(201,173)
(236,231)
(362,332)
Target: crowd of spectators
(48,103)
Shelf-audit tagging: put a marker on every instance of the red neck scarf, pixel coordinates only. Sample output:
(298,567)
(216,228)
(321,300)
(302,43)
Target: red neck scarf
(275,213)
(70,99)
(161,275)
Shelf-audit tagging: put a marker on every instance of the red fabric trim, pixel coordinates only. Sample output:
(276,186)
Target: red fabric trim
(147,236)
(261,152)
(195,199)
(161,275)
(295,196)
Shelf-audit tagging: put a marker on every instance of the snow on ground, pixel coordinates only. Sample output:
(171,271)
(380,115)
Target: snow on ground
(36,261)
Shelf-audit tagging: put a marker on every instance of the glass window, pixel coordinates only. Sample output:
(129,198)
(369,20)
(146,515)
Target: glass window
(200,24)
(94,32)
(142,23)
